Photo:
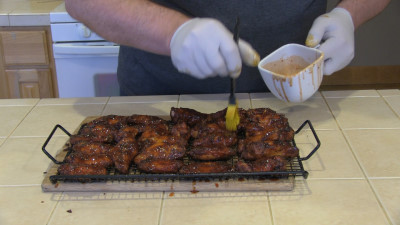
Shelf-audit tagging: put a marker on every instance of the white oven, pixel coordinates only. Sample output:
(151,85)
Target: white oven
(86,64)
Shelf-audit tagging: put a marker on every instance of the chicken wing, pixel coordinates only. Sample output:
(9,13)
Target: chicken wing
(259,150)
(160,166)
(101,160)
(211,153)
(162,147)
(189,116)
(81,169)
(91,148)
(206,167)
(271,164)
(123,154)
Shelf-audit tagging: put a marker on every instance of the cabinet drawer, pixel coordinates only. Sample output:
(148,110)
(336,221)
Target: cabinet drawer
(29,83)
(24,47)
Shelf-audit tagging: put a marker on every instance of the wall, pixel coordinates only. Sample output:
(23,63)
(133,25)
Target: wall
(377,41)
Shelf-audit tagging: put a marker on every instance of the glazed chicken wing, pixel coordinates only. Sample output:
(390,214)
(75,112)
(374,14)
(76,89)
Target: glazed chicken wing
(81,169)
(74,139)
(181,130)
(160,166)
(103,129)
(206,167)
(127,131)
(162,147)
(267,134)
(275,163)
(266,125)
(211,153)
(115,121)
(258,150)
(91,148)
(189,116)
(211,140)
(123,154)
(101,160)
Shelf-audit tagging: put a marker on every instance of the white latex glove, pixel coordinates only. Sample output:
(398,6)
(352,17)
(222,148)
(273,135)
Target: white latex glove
(335,32)
(204,47)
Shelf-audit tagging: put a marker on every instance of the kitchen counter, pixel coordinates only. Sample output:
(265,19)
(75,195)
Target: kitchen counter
(27,12)
(354,178)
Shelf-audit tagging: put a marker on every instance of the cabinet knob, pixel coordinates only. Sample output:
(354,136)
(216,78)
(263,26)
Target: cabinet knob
(84,31)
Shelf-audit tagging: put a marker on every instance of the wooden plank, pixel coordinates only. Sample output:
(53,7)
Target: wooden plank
(178,186)
(236,184)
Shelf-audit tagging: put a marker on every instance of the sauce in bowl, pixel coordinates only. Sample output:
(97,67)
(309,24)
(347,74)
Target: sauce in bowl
(287,67)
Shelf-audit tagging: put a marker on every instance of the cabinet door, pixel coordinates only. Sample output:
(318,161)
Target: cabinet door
(24,47)
(29,83)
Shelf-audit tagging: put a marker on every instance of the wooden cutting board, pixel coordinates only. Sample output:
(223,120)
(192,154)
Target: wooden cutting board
(233,184)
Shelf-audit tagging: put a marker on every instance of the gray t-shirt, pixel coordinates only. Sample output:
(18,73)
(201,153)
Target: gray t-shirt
(265,24)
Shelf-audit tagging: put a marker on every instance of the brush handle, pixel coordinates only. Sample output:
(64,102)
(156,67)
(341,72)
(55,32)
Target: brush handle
(236,30)
(236,39)
(233,86)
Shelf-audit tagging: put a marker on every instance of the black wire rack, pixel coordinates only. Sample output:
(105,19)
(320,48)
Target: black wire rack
(294,168)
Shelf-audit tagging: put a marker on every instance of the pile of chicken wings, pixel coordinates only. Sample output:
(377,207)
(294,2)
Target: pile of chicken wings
(190,142)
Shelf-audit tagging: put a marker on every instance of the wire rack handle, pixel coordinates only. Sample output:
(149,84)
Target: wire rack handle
(58,126)
(315,136)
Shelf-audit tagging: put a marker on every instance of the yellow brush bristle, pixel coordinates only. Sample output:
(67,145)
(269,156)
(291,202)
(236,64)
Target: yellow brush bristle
(232,117)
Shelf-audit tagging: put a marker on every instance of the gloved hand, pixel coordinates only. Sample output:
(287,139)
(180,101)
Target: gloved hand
(204,47)
(335,32)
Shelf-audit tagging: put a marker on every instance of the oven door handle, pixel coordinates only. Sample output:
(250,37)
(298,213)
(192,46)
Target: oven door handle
(64,49)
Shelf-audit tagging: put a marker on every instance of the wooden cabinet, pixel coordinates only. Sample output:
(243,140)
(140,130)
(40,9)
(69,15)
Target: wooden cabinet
(29,83)
(26,63)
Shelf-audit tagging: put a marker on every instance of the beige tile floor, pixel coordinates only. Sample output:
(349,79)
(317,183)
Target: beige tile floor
(394,102)
(328,202)
(354,176)
(25,205)
(334,159)
(216,208)
(11,117)
(389,197)
(377,151)
(22,161)
(107,208)
(43,118)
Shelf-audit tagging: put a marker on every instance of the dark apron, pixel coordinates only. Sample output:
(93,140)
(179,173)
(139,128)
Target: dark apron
(266,25)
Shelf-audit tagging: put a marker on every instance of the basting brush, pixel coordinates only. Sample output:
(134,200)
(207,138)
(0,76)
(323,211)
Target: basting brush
(232,118)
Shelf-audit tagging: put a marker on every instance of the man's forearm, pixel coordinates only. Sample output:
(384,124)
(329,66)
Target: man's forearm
(363,10)
(138,23)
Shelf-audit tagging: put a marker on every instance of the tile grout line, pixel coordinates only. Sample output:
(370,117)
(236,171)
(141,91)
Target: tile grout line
(9,135)
(270,209)
(390,107)
(33,107)
(360,165)
(105,106)
(251,101)
(178,101)
(54,209)
(161,208)
(385,212)
(377,198)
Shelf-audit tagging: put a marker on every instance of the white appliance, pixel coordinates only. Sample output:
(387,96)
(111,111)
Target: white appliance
(86,64)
